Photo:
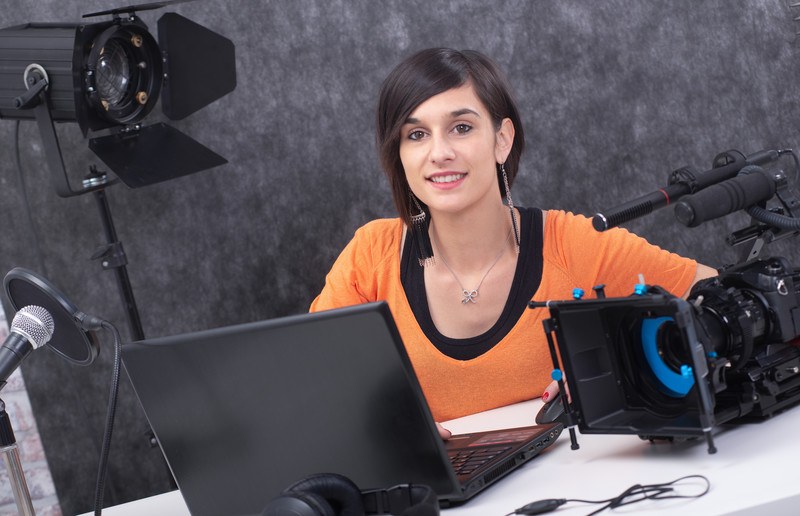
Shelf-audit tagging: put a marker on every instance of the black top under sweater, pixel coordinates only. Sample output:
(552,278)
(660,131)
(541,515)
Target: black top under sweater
(527,277)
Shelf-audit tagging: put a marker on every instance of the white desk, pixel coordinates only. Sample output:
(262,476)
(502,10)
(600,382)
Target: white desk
(754,472)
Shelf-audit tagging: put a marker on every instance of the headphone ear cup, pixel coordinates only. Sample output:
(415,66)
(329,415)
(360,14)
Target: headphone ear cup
(298,503)
(341,493)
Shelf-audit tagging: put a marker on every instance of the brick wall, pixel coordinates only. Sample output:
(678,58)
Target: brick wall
(34,463)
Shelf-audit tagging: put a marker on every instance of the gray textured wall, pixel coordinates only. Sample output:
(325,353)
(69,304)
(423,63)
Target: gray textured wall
(615,94)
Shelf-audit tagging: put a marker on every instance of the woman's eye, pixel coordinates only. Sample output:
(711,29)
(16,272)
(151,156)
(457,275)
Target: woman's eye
(463,128)
(415,135)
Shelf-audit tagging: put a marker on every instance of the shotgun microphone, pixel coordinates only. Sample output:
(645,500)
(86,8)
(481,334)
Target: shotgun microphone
(684,181)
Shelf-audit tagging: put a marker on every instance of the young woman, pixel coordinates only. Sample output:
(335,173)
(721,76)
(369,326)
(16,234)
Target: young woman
(460,264)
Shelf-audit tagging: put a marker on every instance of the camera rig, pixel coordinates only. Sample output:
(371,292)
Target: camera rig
(662,367)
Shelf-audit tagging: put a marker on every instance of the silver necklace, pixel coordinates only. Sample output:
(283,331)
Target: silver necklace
(470,295)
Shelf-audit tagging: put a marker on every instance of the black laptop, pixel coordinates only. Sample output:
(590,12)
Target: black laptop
(243,411)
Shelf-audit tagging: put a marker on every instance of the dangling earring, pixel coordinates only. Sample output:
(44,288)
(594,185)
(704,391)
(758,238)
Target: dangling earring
(510,205)
(419,225)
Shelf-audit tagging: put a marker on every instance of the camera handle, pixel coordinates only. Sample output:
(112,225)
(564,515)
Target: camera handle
(771,225)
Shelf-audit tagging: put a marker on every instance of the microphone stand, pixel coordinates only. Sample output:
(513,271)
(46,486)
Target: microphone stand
(8,448)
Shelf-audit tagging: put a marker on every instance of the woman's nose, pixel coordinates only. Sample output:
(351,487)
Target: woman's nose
(441,149)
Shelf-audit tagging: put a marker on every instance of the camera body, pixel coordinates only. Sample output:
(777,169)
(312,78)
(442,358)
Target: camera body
(659,366)
(750,315)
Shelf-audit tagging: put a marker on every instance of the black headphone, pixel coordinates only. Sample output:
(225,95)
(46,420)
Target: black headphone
(331,494)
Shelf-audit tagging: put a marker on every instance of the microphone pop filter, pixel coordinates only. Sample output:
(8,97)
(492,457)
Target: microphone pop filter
(24,288)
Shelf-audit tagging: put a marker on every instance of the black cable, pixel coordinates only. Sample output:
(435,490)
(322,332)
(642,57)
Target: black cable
(771,218)
(112,409)
(796,161)
(633,494)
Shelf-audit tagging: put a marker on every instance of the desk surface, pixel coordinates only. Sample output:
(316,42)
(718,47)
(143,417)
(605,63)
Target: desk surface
(751,473)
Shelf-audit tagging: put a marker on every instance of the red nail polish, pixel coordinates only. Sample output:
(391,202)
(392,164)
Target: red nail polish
(545,396)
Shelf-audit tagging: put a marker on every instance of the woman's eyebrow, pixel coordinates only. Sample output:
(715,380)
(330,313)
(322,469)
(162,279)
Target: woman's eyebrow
(454,114)
(464,111)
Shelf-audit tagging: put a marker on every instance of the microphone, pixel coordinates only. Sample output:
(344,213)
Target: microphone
(74,341)
(638,207)
(727,197)
(682,182)
(31,328)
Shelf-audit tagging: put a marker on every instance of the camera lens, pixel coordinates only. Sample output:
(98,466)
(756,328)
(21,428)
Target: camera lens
(669,345)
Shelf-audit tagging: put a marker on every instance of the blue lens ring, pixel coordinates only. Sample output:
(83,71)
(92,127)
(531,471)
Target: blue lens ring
(672,382)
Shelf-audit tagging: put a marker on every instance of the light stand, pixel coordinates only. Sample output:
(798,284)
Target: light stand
(108,76)
(111,256)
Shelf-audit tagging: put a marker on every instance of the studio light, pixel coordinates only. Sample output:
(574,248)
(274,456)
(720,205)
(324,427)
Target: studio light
(109,76)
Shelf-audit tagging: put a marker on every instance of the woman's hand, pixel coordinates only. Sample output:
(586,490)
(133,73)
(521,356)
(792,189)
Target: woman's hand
(551,391)
(444,433)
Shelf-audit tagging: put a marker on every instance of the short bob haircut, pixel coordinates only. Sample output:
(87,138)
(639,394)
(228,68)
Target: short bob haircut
(420,77)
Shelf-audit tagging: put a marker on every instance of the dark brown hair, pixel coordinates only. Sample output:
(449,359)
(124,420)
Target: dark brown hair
(428,73)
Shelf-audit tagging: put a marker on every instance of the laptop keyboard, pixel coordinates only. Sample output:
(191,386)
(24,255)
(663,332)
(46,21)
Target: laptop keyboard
(465,462)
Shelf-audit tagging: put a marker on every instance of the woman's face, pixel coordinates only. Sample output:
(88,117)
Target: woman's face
(449,148)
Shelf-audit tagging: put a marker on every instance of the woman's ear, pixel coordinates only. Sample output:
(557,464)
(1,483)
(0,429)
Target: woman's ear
(504,140)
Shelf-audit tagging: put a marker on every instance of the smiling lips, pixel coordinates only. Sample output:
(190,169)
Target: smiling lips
(447,180)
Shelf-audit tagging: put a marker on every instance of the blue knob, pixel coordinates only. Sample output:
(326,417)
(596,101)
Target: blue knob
(577,293)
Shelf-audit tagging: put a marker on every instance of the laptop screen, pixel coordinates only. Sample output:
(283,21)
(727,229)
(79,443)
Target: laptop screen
(241,412)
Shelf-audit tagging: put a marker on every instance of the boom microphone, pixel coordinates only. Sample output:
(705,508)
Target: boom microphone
(31,328)
(723,198)
(684,182)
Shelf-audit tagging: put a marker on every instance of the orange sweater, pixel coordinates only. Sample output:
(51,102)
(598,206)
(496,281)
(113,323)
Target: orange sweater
(518,367)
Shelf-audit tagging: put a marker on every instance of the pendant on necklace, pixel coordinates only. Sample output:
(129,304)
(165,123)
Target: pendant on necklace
(469,296)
